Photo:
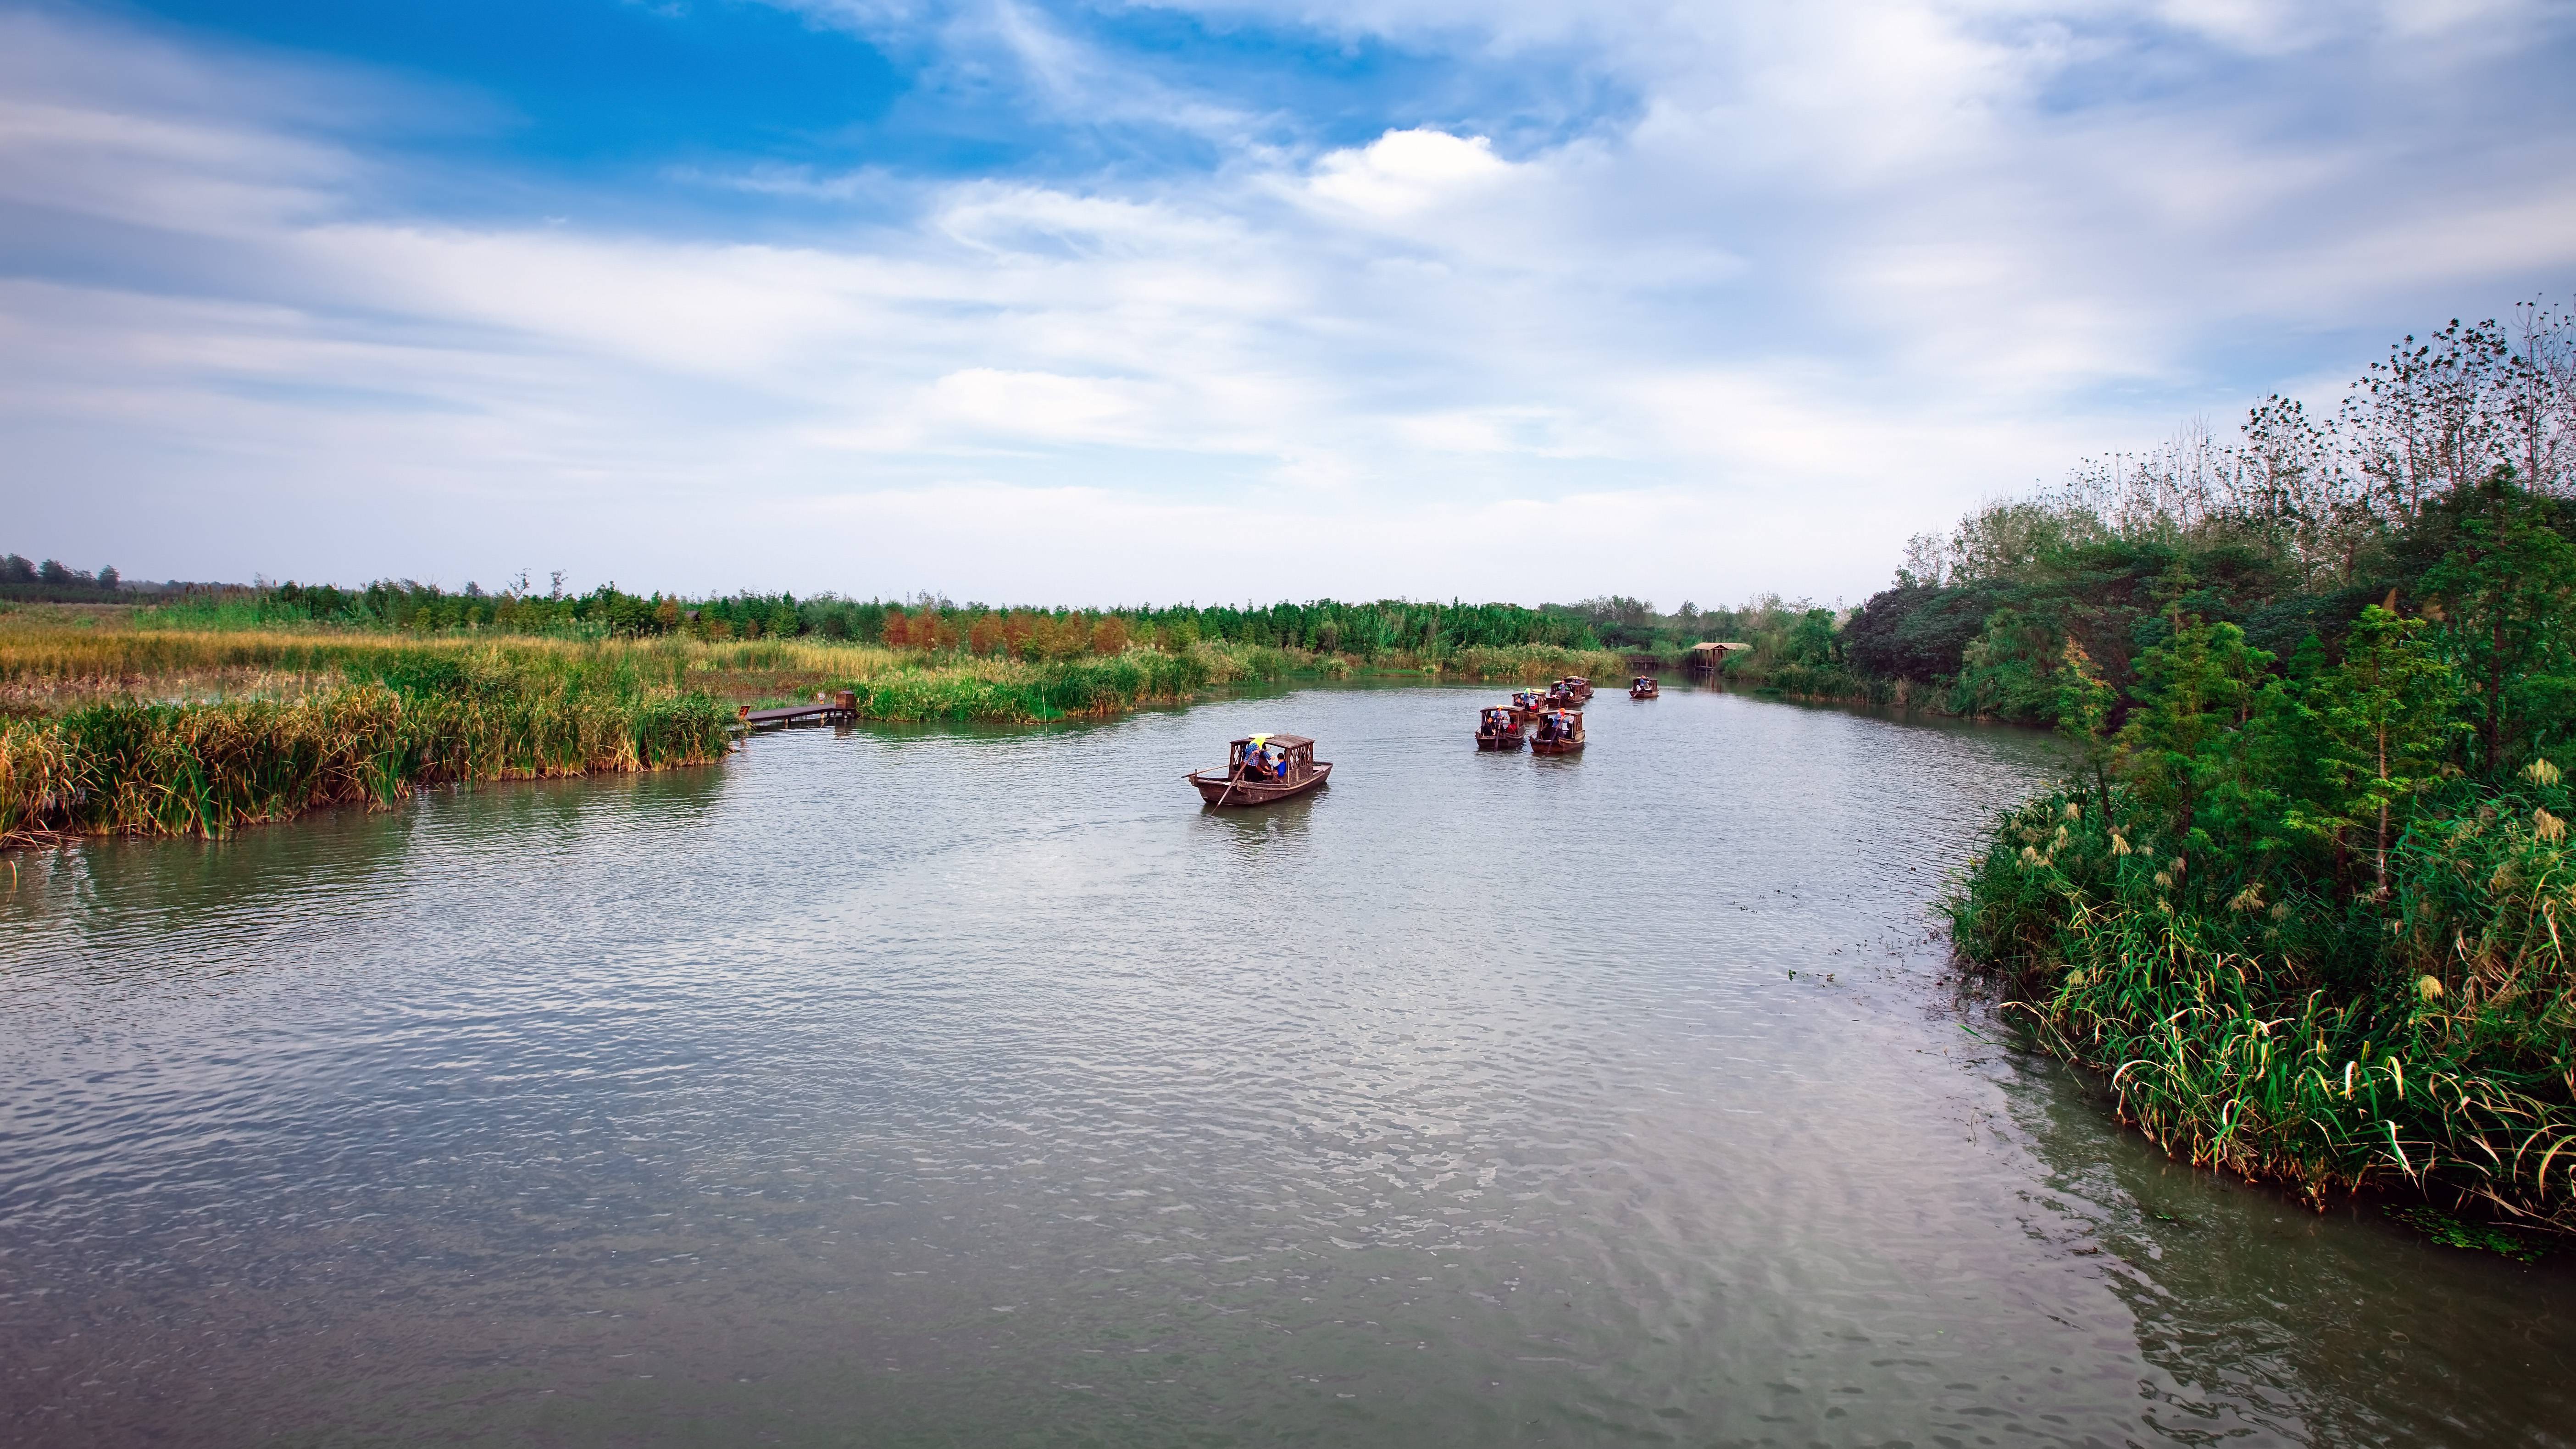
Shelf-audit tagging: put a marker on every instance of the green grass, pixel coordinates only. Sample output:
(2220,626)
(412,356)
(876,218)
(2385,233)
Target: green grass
(2424,1044)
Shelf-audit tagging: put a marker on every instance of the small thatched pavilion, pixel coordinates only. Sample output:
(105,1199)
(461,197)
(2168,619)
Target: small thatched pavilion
(1709,655)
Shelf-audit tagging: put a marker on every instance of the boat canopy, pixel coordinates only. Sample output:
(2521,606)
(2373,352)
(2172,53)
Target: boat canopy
(1285,742)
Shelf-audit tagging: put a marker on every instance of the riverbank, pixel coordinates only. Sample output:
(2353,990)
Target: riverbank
(2416,1042)
(106,728)
(2298,903)
(137,765)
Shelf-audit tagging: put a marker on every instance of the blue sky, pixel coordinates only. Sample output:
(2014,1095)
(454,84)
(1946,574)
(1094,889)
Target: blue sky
(1088,303)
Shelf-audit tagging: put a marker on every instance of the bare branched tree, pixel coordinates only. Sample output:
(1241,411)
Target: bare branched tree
(2437,415)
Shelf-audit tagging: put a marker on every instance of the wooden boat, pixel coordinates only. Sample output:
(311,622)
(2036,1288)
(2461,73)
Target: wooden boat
(1560,732)
(1526,706)
(1279,766)
(1578,690)
(1500,729)
(1644,687)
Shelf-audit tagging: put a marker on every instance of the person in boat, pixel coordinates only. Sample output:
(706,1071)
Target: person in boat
(1251,761)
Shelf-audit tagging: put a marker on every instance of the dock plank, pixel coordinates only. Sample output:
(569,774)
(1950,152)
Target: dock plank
(832,713)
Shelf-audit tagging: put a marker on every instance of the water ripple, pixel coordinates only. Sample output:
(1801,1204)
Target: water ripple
(961,1087)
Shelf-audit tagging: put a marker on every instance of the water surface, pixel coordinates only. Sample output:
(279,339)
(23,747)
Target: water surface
(934,1087)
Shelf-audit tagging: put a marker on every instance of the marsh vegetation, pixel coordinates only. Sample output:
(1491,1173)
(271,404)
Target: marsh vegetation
(2301,900)
(121,722)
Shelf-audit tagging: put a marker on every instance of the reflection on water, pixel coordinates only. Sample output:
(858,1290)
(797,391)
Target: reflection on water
(947,1087)
(2274,1321)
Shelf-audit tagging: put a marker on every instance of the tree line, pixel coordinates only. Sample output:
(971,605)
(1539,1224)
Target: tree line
(928,623)
(51,580)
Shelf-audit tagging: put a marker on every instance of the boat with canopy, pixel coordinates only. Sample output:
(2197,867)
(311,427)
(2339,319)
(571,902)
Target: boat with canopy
(1560,732)
(1260,769)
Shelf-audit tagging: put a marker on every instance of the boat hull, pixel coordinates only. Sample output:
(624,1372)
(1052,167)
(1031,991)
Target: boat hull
(1500,742)
(1556,747)
(1217,789)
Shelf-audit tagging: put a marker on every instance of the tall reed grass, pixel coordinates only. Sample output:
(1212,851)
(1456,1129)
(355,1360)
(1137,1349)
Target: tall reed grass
(51,649)
(1003,691)
(129,766)
(2425,1042)
(1524,663)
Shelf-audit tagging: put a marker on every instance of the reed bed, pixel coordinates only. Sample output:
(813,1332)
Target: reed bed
(966,688)
(206,769)
(1523,664)
(2421,1043)
(1001,691)
(59,660)
(110,728)
(108,655)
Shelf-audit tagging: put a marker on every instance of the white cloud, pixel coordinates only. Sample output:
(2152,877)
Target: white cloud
(1405,172)
(1044,407)
(1842,269)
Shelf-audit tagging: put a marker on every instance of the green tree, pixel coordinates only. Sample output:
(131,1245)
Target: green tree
(1811,639)
(2505,590)
(2007,669)
(2183,742)
(2382,716)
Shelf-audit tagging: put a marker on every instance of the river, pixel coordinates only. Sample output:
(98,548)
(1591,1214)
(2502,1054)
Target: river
(941,1087)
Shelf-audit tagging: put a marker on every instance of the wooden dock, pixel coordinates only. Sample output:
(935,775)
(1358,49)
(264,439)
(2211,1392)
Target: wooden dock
(840,709)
